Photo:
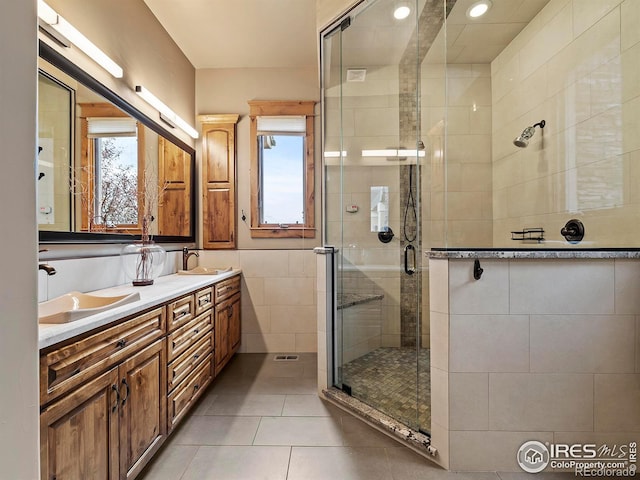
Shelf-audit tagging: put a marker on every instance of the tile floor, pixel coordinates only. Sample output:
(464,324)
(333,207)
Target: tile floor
(385,379)
(262,419)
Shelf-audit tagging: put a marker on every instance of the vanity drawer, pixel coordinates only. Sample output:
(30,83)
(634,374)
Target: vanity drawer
(180,311)
(183,397)
(68,366)
(185,363)
(181,339)
(227,288)
(204,300)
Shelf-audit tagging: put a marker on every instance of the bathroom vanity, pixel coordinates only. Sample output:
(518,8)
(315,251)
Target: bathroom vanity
(114,385)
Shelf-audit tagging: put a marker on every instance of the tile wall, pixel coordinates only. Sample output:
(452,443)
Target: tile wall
(576,65)
(536,349)
(278,297)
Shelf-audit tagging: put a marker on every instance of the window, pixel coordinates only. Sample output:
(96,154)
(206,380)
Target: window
(282,169)
(111,171)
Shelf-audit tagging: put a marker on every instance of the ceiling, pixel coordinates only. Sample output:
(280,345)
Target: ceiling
(282,33)
(241,33)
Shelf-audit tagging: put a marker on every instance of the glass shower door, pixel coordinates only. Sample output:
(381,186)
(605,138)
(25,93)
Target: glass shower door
(373,158)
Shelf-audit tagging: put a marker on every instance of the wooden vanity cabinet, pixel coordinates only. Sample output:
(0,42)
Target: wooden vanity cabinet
(112,425)
(110,398)
(190,355)
(227,324)
(79,434)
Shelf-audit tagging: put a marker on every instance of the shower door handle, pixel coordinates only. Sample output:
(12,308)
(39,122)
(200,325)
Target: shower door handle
(407,270)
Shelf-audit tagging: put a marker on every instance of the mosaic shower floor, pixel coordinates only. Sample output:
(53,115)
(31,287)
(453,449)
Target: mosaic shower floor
(386,380)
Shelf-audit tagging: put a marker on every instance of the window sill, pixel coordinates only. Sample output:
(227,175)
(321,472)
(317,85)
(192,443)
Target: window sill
(277,232)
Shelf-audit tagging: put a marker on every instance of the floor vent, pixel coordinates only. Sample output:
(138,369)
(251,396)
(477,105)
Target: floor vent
(286,358)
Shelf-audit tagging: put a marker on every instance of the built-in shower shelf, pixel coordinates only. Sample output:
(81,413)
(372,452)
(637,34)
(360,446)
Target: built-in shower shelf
(529,235)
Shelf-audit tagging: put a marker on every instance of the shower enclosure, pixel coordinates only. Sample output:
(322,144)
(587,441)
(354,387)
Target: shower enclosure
(380,136)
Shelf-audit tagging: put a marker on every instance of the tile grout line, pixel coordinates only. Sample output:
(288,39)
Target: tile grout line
(253,441)
(289,462)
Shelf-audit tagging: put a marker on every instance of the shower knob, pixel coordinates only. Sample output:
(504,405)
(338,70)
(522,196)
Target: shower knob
(573,231)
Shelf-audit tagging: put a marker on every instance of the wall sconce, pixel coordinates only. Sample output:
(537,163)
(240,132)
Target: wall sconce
(60,30)
(166,114)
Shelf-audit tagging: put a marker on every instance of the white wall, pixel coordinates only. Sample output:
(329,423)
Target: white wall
(19,450)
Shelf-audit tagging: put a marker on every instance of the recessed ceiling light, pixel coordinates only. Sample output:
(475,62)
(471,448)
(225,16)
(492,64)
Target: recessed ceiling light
(479,8)
(402,11)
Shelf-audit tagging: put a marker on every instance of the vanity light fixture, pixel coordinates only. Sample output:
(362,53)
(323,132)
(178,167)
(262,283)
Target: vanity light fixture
(479,8)
(166,114)
(50,18)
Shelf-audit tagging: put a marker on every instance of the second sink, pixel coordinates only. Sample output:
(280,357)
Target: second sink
(75,305)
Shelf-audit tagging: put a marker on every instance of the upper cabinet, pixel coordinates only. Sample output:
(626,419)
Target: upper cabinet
(219,181)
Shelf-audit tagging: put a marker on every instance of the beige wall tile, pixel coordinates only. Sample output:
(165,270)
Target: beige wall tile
(293,319)
(256,319)
(264,263)
(489,295)
(269,342)
(546,402)
(440,340)
(439,285)
(535,287)
(440,441)
(599,438)
(252,291)
(583,343)
(306,342)
(302,263)
(630,16)
(489,343)
(440,397)
(219,258)
(489,451)
(469,401)
(616,403)
(289,291)
(586,14)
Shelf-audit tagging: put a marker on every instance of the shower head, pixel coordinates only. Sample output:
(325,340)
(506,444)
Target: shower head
(523,139)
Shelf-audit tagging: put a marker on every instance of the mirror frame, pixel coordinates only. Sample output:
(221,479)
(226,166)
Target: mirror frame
(50,55)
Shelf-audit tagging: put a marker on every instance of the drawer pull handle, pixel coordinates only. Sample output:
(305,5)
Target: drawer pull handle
(121,343)
(196,356)
(196,387)
(204,300)
(124,399)
(115,389)
(181,314)
(76,371)
(196,331)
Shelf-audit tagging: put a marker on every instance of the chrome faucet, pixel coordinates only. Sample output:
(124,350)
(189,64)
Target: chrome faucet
(47,268)
(185,257)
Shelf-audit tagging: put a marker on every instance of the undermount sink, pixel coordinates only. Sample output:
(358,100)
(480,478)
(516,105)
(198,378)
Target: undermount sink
(75,305)
(205,271)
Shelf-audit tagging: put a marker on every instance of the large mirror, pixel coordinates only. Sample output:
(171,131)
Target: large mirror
(105,171)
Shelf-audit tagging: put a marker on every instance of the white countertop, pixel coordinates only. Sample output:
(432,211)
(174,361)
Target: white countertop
(163,289)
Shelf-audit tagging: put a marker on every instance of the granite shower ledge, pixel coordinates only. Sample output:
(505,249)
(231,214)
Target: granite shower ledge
(164,289)
(533,254)
(346,300)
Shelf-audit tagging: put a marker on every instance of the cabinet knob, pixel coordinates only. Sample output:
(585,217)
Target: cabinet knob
(196,356)
(196,387)
(121,343)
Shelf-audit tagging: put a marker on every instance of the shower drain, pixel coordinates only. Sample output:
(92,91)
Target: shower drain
(286,358)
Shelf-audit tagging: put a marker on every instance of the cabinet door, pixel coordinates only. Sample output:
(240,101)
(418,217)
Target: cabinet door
(143,404)
(174,177)
(221,334)
(79,432)
(219,181)
(234,324)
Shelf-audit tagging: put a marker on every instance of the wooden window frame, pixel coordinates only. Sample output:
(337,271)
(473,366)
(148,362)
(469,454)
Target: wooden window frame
(87,166)
(272,108)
